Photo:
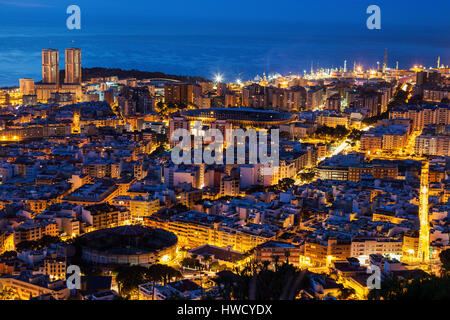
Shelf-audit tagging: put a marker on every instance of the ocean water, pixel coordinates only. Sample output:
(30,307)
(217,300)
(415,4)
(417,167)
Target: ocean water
(228,51)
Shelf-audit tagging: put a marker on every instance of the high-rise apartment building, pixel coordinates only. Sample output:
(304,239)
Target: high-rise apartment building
(73,65)
(185,93)
(50,66)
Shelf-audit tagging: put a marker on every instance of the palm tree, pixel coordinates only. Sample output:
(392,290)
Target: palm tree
(287,254)
(190,263)
(225,281)
(276,259)
(164,273)
(255,282)
(207,261)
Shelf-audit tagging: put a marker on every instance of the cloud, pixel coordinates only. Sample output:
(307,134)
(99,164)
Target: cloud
(25,4)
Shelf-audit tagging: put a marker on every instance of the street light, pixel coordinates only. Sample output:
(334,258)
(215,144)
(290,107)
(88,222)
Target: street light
(218,78)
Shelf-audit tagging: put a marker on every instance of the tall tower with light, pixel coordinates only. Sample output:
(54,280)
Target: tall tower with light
(423,254)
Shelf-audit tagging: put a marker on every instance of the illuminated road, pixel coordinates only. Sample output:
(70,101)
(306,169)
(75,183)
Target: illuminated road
(339,149)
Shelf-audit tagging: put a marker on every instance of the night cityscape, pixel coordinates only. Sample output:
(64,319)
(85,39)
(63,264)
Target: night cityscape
(184,166)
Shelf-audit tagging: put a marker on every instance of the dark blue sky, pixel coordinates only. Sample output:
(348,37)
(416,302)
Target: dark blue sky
(233,37)
(224,16)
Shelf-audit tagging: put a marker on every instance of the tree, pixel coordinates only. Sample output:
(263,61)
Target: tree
(276,260)
(225,281)
(190,262)
(345,293)
(129,278)
(161,109)
(326,132)
(45,241)
(256,282)
(40,244)
(163,273)
(426,288)
(422,287)
(444,256)
(287,254)
(9,255)
(400,97)
(7,294)
(26,245)
(282,186)
(217,267)
(286,184)
(307,176)
(207,262)
(355,135)
(389,289)
(160,149)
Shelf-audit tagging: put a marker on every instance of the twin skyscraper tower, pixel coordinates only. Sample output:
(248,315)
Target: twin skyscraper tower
(50,66)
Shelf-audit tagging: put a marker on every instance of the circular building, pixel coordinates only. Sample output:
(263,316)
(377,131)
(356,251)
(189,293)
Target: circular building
(128,245)
(239,116)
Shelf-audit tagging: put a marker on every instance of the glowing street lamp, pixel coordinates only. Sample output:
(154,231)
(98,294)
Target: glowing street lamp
(218,78)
